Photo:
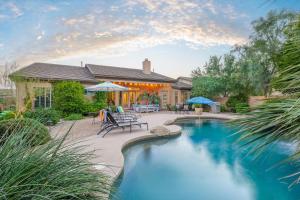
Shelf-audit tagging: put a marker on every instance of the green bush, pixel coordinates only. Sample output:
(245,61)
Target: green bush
(35,133)
(49,171)
(242,108)
(68,97)
(74,116)
(234,100)
(45,116)
(5,115)
(223,108)
(197,105)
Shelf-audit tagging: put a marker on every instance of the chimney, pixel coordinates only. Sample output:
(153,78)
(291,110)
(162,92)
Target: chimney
(147,66)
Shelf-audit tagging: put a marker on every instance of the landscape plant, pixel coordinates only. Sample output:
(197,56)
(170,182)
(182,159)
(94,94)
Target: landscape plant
(279,120)
(100,101)
(73,117)
(55,170)
(45,116)
(7,114)
(68,97)
(247,68)
(234,101)
(34,132)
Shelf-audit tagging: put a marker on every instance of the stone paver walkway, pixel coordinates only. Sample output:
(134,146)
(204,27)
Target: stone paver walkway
(108,150)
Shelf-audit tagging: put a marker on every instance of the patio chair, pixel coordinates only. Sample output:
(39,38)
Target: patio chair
(112,124)
(186,108)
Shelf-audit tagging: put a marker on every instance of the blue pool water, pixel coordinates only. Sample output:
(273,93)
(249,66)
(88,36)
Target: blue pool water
(206,163)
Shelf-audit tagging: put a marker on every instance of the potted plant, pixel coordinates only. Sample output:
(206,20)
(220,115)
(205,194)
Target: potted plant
(198,109)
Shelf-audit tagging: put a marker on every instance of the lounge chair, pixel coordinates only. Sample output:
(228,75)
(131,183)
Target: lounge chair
(112,123)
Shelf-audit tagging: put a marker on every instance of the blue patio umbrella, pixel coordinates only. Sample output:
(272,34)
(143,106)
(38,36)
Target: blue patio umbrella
(106,87)
(200,100)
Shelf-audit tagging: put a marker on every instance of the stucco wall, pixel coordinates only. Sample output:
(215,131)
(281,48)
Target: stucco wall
(24,89)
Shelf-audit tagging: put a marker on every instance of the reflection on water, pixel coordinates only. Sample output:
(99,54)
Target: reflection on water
(205,162)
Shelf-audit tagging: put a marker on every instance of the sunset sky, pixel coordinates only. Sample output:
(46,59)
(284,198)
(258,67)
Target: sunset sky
(176,35)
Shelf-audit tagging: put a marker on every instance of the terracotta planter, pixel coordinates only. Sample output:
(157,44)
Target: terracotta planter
(198,111)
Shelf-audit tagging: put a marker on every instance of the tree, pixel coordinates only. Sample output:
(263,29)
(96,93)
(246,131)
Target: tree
(249,68)
(197,72)
(249,77)
(279,120)
(214,66)
(228,71)
(207,86)
(5,81)
(267,41)
(211,68)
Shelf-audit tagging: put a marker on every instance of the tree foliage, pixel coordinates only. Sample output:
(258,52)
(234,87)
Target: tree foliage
(207,86)
(279,120)
(68,97)
(249,68)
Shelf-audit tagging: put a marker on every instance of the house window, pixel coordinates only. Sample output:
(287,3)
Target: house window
(43,97)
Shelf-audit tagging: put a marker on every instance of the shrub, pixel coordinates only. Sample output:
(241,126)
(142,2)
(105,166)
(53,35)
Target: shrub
(68,97)
(74,116)
(242,108)
(49,171)
(35,132)
(5,115)
(223,108)
(234,100)
(45,116)
(197,106)
(173,108)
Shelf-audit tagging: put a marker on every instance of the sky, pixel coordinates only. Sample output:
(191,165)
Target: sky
(176,35)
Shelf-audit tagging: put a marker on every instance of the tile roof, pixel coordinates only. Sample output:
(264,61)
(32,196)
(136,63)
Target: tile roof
(90,73)
(101,71)
(181,86)
(48,71)
(185,78)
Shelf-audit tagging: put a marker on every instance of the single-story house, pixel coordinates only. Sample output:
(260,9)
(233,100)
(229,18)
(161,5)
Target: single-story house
(36,80)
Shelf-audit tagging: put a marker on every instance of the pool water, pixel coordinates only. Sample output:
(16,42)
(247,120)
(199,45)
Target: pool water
(206,163)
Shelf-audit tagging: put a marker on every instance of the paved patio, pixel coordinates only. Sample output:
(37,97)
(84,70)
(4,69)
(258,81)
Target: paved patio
(108,150)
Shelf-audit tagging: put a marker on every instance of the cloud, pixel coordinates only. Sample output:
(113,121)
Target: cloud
(1,45)
(133,25)
(15,9)
(51,8)
(2,17)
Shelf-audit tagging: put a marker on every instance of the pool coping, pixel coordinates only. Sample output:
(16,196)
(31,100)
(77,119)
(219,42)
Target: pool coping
(172,133)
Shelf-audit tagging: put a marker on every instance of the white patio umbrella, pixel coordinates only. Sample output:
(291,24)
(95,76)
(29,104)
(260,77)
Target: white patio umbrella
(106,87)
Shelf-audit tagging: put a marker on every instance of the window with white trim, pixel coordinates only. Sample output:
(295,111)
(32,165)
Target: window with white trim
(43,97)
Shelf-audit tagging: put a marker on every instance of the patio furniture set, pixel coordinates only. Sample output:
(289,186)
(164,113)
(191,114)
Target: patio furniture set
(145,108)
(112,121)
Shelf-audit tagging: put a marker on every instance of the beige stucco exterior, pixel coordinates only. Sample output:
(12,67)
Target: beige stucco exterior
(25,90)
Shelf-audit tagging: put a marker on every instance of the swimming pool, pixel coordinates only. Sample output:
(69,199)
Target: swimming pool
(205,163)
